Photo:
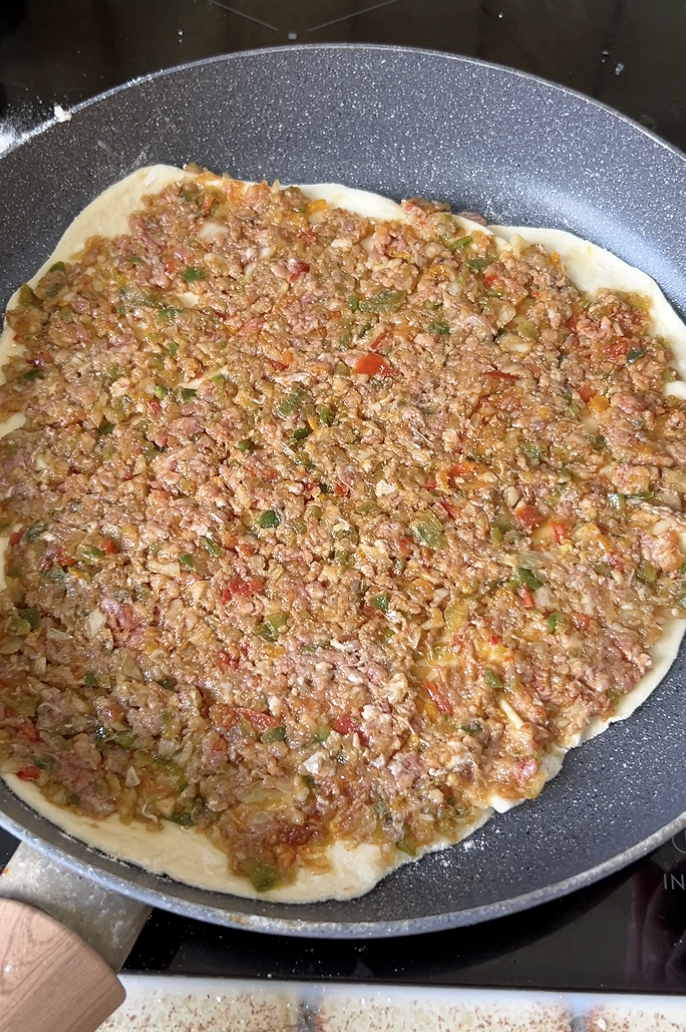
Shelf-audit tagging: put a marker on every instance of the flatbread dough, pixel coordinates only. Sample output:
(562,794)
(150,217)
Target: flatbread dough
(182,853)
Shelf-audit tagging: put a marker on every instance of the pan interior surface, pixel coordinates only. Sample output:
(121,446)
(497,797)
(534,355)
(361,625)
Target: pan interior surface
(401,123)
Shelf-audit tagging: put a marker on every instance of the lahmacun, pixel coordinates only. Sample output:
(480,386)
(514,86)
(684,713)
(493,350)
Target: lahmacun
(330,525)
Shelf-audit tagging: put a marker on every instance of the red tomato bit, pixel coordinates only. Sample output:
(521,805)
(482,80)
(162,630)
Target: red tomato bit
(240,588)
(372,365)
(226,661)
(461,469)
(560,531)
(28,728)
(528,517)
(435,693)
(347,724)
(260,721)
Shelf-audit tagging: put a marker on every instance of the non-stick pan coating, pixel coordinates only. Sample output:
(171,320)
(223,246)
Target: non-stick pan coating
(404,123)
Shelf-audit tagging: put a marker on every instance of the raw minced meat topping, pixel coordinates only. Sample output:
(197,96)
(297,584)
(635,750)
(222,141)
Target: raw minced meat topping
(321,528)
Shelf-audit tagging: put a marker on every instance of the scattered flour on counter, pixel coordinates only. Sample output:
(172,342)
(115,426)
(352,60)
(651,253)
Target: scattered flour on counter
(9,136)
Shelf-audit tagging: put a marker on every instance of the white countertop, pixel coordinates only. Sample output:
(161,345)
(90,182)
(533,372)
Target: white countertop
(173,1004)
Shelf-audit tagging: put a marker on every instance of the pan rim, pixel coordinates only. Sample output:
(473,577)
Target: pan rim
(231,55)
(332,929)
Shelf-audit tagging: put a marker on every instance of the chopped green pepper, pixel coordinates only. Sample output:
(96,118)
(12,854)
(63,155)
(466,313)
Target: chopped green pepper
(270,519)
(291,403)
(187,393)
(477,264)
(457,245)
(105,429)
(55,573)
(646,572)
(634,355)
(193,273)
(169,683)
(27,298)
(525,576)
(187,560)
(93,552)
(272,626)
(526,328)
(553,622)
(533,452)
(314,646)
(265,631)
(35,531)
(126,739)
(406,845)
(381,602)
(161,391)
(184,820)
(472,727)
(274,734)
(381,808)
(150,450)
(438,329)
(429,531)
(492,679)
(211,546)
(264,877)
(386,301)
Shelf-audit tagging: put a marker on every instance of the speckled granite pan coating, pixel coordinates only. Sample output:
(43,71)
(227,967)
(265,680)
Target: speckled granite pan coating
(402,123)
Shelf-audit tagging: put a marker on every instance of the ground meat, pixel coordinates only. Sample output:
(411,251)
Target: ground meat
(320,528)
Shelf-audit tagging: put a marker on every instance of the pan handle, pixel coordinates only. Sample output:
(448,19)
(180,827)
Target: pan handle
(62,937)
(50,979)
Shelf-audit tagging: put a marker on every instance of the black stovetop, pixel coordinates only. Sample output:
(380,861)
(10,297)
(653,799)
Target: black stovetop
(626,933)
(629,931)
(627,53)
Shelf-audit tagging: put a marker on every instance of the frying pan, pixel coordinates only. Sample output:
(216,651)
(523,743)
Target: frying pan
(486,138)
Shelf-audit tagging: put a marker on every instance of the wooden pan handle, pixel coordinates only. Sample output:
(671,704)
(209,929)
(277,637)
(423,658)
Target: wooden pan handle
(50,979)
